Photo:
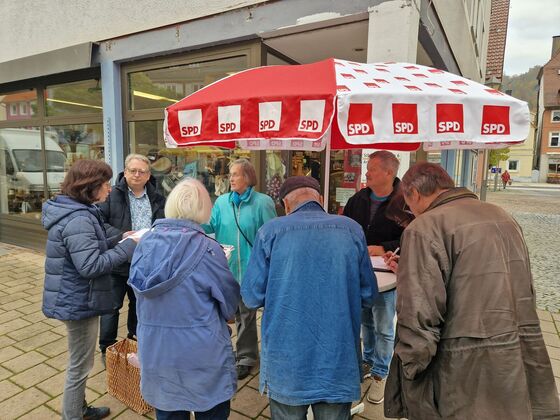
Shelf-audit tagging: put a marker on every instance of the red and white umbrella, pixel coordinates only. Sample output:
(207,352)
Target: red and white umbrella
(388,105)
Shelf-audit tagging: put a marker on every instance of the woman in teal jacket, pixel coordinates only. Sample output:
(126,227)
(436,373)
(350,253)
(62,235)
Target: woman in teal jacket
(236,218)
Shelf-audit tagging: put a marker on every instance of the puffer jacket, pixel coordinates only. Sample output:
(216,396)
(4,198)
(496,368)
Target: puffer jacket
(469,344)
(116,211)
(78,261)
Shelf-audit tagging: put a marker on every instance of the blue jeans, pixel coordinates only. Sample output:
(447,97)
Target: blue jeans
(109,323)
(218,412)
(378,333)
(321,411)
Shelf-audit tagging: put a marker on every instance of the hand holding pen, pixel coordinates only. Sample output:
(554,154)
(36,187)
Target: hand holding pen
(391,259)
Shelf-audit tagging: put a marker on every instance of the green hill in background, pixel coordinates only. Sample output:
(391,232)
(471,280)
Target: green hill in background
(523,86)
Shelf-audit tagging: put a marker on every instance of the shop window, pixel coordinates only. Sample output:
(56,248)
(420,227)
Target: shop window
(554,139)
(554,168)
(77,98)
(22,169)
(513,165)
(555,116)
(210,165)
(159,88)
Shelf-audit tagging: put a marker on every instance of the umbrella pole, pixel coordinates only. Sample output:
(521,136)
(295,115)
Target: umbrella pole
(327,175)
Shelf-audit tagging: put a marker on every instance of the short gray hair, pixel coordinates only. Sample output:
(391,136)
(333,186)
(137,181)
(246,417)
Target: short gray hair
(137,156)
(301,195)
(248,170)
(426,178)
(388,160)
(189,200)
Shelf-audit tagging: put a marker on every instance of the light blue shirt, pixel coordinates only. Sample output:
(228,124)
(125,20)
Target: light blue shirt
(312,274)
(140,210)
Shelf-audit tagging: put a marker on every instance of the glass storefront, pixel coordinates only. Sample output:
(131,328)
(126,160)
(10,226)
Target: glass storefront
(43,131)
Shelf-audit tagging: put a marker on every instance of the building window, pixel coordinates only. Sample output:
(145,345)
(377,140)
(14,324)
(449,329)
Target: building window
(13,109)
(554,168)
(554,139)
(23,108)
(555,116)
(513,165)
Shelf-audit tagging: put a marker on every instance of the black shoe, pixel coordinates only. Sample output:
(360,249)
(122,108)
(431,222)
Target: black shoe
(243,371)
(131,336)
(93,413)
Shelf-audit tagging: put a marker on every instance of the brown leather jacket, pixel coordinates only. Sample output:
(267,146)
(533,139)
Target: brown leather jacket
(469,343)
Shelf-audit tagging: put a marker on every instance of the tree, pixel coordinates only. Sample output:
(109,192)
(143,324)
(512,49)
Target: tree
(497,155)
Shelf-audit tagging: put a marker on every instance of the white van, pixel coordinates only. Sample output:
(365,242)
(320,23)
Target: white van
(21,164)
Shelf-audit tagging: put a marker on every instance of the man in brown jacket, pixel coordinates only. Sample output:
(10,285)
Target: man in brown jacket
(469,344)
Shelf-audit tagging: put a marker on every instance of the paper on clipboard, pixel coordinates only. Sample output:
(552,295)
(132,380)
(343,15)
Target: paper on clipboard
(136,235)
(378,264)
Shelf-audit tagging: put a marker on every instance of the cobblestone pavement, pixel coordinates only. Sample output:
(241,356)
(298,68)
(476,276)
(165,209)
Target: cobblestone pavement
(33,353)
(538,213)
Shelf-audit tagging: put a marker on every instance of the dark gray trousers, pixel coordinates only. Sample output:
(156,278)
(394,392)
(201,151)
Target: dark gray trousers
(247,347)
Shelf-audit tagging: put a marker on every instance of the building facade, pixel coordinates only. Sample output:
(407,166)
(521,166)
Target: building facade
(548,118)
(97,85)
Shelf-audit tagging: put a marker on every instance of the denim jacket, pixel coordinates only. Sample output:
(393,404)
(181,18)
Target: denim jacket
(312,274)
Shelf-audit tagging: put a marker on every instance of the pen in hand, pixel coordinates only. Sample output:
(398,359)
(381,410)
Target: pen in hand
(393,255)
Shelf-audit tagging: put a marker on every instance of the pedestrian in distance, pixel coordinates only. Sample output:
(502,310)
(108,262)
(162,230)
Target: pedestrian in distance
(369,208)
(236,218)
(77,274)
(312,274)
(506,179)
(185,296)
(469,343)
(133,204)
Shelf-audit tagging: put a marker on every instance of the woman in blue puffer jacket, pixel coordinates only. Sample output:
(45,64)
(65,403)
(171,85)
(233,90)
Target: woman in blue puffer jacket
(77,284)
(185,295)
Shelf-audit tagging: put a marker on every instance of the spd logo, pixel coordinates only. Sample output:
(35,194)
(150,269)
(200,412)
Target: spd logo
(229,119)
(269,116)
(405,119)
(190,122)
(449,118)
(495,120)
(360,119)
(312,113)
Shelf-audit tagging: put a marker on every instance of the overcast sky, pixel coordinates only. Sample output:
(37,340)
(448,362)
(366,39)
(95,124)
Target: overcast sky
(532,24)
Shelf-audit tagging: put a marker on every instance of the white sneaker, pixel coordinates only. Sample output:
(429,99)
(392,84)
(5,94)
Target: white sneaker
(376,391)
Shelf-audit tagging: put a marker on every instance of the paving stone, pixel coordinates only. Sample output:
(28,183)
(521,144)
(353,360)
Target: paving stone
(15,304)
(130,415)
(553,352)
(548,326)
(551,339)
(31,308)
(55,347)
(24,362)
(555,367)
(6,341)
(41,413)
(35,298)
(98,382)
(56,403)
(22,403)
(59,362)
(54,385)
(249,402)
(544,315)
(8,353)
(4,373)
(61,330)
(8,389)
(28,331)
(53,322)
(34,317)
(34,375)
(234,415)
(9,315)
(37,341)
(12,297)
(106,400)
(556,316)
(13,325)
(22,287)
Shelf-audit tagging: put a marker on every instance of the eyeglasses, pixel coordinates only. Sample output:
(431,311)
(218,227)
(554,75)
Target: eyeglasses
(137,171)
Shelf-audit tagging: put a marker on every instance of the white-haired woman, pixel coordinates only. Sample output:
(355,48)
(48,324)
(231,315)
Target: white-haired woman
(185,295)
(236,218)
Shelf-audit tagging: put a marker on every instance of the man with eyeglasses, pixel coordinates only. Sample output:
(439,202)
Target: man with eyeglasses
(133,204)
(369,207)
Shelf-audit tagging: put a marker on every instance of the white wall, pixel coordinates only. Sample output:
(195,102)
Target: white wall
(29,27)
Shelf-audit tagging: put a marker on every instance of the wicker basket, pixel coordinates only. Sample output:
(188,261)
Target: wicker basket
(123,379)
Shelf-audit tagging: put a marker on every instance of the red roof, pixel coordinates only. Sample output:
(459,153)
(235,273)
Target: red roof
(499,17)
